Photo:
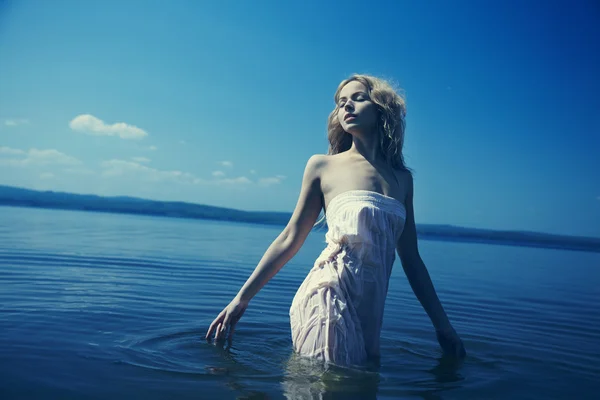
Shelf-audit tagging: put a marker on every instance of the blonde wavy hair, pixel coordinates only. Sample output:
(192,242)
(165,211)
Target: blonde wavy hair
(391,124)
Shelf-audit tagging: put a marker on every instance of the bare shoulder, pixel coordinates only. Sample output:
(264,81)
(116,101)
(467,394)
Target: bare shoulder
(326,167)
(315,170)
(317,161)
(327,161)
(315,166)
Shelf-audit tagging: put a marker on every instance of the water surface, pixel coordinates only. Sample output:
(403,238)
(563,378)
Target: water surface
(95,305)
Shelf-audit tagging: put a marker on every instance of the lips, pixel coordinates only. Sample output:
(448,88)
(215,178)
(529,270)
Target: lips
(348,116)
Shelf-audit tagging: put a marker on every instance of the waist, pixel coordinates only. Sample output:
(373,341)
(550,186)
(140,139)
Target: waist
(363,254)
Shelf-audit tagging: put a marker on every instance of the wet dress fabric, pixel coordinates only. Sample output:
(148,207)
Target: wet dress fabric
(336,314)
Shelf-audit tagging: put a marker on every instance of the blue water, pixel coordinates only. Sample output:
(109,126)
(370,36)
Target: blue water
(102,305)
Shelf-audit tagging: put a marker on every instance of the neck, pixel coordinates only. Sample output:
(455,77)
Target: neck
(367,146)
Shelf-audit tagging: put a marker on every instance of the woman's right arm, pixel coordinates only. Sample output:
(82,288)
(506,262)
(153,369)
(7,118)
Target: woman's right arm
(283,248)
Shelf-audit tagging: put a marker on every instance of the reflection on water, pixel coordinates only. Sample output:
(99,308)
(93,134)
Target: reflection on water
(310,379)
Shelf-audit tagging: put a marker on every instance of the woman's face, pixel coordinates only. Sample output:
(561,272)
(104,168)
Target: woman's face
(356,111)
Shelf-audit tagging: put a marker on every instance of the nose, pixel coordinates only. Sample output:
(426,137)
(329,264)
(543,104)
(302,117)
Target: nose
(349,106)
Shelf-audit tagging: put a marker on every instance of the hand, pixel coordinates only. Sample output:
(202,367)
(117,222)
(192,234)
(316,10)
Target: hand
(227,319)
(450,342)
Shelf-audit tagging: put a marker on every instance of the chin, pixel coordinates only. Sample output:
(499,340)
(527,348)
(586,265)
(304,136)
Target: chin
(351,127)
(354,129)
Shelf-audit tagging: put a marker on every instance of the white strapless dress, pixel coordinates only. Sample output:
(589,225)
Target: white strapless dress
(337,312)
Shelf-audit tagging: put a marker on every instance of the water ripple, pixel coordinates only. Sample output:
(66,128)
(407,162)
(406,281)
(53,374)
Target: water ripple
(129,300)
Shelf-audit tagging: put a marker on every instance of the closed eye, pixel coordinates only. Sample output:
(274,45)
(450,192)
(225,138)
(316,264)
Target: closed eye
(359,96)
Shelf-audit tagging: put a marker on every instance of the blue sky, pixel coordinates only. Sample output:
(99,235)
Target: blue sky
(222,104)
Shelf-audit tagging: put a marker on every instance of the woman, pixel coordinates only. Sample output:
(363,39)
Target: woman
(366,192)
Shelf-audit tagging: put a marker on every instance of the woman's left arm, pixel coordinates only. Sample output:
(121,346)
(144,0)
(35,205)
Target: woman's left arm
(420,281)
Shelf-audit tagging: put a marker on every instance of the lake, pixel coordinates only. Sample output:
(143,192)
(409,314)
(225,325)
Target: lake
(98,305)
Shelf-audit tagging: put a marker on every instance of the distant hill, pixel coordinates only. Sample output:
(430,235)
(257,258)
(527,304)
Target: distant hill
(14,196)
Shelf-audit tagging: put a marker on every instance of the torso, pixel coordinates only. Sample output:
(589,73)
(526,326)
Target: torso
(343,172)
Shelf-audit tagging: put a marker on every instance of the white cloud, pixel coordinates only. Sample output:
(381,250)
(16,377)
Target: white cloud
(182,142)
(15,122)
(36,157)
(121,169)
(9,151)
(226,163)
(253,171)
(141,159)
(91,125)
(114,168)
(275,180)
(47,175)
(128,169)
(50,156)
(242,180)
(152,148)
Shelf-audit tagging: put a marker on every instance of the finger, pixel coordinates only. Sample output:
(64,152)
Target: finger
(219,332)
(211,328)
(231,331)
(214,325)
(232,326)
(226,323)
